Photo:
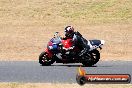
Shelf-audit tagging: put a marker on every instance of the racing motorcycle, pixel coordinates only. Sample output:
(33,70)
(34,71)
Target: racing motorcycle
(65,53)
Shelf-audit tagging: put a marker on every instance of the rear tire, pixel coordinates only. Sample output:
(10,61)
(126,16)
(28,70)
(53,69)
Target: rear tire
(44,60)
(91,58)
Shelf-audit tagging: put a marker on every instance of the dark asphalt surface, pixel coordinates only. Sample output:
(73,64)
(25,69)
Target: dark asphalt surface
(33,72)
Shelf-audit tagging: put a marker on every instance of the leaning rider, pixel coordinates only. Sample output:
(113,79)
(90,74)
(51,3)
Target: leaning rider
(78,40)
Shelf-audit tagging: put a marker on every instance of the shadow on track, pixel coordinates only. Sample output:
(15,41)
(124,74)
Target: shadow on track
(71,65)
(81,66)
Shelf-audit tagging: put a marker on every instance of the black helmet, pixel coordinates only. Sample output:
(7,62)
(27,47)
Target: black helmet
(69,31)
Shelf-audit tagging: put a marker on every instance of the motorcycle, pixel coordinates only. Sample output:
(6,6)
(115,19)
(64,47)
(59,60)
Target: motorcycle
(65,53)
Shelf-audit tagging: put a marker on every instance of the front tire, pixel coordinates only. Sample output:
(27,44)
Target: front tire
(91,58)
(44,60)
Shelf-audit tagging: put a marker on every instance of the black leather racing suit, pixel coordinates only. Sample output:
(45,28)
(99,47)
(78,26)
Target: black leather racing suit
(79,41)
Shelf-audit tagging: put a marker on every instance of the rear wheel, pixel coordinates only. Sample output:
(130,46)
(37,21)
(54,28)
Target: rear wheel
(91,58)
(44,60)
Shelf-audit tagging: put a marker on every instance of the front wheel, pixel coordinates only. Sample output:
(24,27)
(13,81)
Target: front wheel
(44,60)
(91,58)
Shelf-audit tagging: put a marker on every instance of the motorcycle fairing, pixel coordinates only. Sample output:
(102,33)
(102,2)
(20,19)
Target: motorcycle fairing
(95,42)
(50,54)
(67,43)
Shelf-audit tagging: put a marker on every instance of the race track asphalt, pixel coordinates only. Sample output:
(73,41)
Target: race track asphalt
(33,72)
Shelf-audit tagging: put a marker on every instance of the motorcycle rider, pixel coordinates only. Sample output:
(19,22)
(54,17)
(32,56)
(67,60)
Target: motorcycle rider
(78,40)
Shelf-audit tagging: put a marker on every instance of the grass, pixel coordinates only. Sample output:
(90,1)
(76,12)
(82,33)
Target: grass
(49,85)
(91,12)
